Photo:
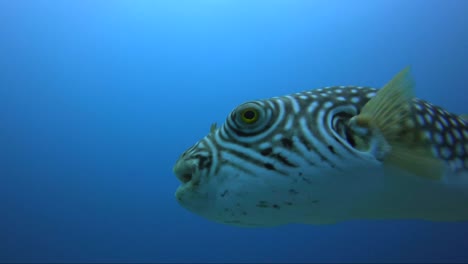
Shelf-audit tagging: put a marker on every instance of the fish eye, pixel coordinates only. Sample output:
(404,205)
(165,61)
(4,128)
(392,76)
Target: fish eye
(249,115)
(249,119)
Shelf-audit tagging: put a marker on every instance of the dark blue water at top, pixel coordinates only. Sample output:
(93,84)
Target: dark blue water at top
(99,98)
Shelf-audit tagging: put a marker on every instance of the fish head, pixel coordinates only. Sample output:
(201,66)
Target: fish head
(274,161)
(219,174)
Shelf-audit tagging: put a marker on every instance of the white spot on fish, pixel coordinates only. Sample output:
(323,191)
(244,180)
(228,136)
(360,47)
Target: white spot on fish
(303,97)
(354,91)
(429,111)
(453,121)
(439,126)
(355,99)
(341,98)
(449,138)
(420,120)
(428,135)
(338,91)
(438,138)
(312,107)
(445,152)
(465,133)
(371,94)
(457,134)
(444,122)
(428,118)
(418,107)
(327,104)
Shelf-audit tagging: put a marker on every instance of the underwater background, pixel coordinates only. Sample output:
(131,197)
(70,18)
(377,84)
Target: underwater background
(99,98)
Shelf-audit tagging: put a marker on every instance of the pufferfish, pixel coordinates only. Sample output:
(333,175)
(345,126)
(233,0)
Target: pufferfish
(330,155)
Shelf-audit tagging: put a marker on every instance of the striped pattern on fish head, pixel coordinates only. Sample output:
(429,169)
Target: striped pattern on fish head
(272,162)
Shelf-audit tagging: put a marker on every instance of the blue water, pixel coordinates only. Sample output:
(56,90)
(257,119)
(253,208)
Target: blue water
(99,98)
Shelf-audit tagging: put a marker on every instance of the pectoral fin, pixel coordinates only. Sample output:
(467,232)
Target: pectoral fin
(389,113)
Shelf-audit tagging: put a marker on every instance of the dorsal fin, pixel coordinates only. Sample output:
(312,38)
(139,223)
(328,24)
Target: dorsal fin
(388,112)
(213,127)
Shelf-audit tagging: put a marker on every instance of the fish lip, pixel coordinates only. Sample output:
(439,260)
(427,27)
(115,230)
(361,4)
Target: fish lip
(185,171)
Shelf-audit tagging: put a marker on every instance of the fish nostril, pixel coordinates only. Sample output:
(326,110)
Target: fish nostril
(186,177)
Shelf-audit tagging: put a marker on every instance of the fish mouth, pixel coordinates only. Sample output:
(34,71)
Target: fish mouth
(186,171)
(188,193)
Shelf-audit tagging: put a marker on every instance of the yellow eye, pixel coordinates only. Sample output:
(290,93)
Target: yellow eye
(249,115)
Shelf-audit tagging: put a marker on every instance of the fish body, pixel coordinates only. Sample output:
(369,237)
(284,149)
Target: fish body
(330,155)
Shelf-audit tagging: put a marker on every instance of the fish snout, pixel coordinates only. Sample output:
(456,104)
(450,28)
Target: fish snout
(185,170)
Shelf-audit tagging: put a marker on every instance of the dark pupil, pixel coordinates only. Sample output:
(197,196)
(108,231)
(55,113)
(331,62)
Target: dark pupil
(249,114)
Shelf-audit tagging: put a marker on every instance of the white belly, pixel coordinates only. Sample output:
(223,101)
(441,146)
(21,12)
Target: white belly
(327,197)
